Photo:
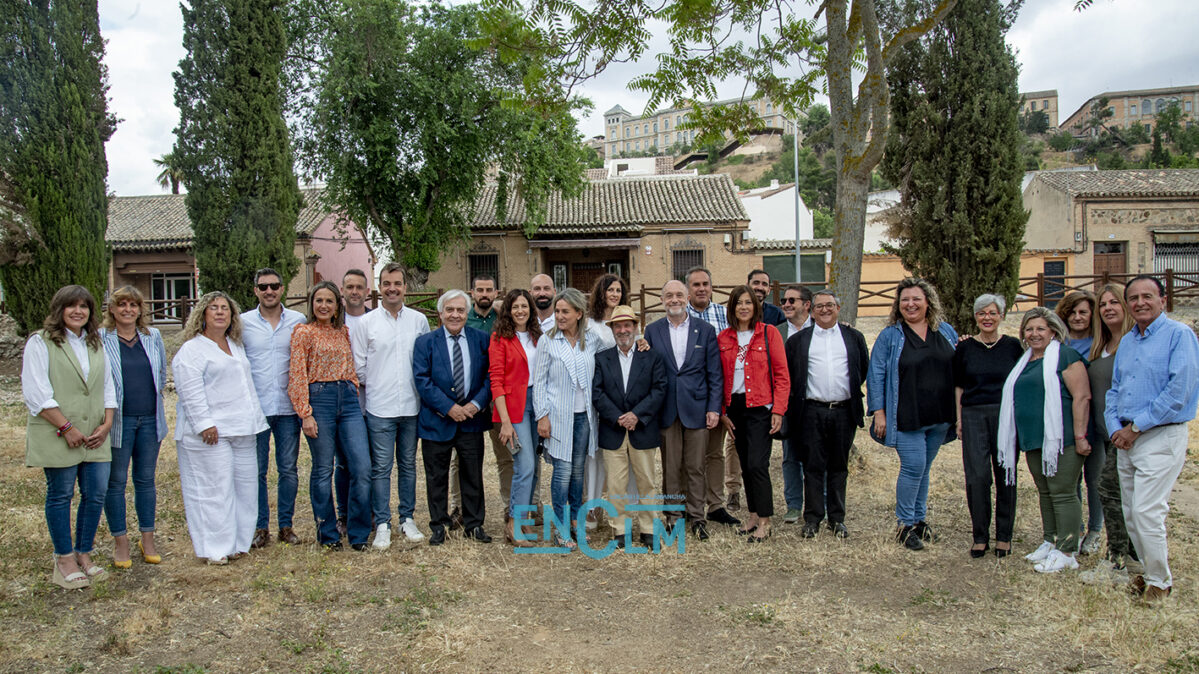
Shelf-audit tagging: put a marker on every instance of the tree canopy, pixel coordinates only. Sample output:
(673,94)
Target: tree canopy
(54,121)
(405,120)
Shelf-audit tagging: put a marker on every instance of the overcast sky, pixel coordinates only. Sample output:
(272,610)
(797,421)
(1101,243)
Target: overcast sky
(1114,45)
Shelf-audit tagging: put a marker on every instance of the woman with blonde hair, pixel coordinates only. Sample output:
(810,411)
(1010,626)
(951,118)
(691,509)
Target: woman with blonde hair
(139,367)
(217,421)
(1115,320)
(1043,413)
(911,396)
(66,382)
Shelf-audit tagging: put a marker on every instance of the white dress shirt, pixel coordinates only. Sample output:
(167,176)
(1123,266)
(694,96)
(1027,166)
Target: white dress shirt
(382,346)
(626,364)
(828,366)
(269,351)
(547,323)
(35,374)
(678,340)
(215,389)
(792,330)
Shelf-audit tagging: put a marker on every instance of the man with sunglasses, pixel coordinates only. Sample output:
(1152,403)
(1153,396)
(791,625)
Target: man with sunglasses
(266,333)
(797,305)
(797,302)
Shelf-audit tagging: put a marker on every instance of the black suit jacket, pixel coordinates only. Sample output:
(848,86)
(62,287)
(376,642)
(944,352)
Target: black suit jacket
(797,363)
(643,397)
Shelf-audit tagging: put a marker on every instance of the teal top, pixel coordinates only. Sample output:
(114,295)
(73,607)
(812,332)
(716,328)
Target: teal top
(1029,402)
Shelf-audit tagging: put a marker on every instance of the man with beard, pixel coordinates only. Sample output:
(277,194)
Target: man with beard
(701,307)
(482,295)
(541,287)
(355,288)
(694,393)
(759,282)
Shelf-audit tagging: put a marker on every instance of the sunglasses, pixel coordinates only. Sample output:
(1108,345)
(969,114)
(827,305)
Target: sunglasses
(269,286)
(790,300)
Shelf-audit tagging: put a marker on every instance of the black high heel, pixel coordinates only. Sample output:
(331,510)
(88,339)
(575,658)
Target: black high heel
(1001,552)
(978,554)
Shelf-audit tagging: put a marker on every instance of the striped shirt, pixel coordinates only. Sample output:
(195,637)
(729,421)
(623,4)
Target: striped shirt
(714,314)
(559,371)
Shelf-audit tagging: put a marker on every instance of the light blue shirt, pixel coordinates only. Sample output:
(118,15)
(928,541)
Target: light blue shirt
(464,348)
(715,315)
(1156,377)
(269,352)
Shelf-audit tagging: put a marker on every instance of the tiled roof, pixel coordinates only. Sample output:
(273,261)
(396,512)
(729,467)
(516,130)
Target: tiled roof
(1131,183)
(160,221)
(1039,94)
(789,244)
(625,205)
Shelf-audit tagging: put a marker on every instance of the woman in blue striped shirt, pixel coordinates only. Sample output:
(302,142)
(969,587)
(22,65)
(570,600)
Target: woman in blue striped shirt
(562,404)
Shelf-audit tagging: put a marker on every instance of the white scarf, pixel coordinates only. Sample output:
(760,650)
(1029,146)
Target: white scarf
(1051,448)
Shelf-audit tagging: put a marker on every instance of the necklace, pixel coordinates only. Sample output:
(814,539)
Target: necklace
(990,345)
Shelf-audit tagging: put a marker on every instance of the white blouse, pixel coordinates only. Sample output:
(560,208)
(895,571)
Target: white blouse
(215,389)
(35,373)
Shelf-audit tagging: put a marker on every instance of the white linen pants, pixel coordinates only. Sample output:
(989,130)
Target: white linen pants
(220,493)
(1147,475)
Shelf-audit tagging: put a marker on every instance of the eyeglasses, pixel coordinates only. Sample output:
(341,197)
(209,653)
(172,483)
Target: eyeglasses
(987,314)
(825,306)
(269,286)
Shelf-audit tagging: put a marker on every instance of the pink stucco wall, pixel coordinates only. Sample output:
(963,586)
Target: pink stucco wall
(340,252)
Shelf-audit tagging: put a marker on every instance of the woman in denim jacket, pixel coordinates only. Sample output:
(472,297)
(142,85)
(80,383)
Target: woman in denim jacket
(910,394)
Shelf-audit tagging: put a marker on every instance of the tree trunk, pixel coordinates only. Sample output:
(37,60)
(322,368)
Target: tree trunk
(849,222)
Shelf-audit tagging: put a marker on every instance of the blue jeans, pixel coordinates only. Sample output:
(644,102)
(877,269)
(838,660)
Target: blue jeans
(566,486)
(139,435)
(916,450)
(392,440)
(60,488)
(286,428)
(792,477)
(524,462)
(339,421)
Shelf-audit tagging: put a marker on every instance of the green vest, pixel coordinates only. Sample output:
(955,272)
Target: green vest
(81,402)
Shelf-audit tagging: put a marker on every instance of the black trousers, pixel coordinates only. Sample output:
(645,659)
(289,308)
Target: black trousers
(436,457)
(980,459)
(751,436)
(825,442)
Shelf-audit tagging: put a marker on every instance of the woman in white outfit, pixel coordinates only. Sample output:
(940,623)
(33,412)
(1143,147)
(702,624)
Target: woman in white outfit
(217,420)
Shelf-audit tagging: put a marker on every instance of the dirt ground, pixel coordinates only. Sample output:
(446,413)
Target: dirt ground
(864,604)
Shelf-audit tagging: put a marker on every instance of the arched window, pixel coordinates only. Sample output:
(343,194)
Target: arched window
(1146,107)
(1161,106)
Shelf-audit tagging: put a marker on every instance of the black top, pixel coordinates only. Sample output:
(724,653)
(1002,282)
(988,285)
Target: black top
(980,371)
(137,382)
(925,381)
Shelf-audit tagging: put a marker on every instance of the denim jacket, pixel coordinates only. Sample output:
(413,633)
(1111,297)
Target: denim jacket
(882,382)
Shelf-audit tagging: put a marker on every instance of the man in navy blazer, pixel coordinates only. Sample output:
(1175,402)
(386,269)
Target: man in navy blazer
(449,366)
(828,363)
(694,388)
(628,390)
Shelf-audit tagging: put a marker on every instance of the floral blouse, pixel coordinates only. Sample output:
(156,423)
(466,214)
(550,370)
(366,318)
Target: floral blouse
(318,353)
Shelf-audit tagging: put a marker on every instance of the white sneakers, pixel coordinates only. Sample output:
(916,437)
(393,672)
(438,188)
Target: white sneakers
(1057,561)
(1040,553)
(382,537)
(1105,573)
(410,530)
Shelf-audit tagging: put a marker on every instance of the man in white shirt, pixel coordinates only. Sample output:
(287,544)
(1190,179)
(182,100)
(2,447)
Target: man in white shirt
(266,332)
(355,288)
(797,306)
(828,363)
(541,287)
(722,467)
(797,301)
(382,343)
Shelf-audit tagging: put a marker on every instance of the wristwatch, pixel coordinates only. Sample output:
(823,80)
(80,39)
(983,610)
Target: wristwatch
(1134,428)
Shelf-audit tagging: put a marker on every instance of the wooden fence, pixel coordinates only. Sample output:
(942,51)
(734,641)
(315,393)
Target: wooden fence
(1039,290)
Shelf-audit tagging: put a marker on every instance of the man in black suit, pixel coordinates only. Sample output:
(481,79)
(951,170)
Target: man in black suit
(628,391)
(828,363)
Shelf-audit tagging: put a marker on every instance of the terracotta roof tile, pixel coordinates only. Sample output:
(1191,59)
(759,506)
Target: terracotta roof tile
(1130,183)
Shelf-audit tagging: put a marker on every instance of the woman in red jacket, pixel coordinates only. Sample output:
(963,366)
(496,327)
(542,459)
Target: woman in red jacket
(511,353)
(756,388)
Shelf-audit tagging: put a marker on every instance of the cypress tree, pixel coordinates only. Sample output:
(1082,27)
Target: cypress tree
(232,144)
(54,121)
(954,151)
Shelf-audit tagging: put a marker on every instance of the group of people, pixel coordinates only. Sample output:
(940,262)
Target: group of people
(554,376)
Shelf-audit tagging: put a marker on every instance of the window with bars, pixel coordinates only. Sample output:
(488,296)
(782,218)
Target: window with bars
(485,263)
(682,260)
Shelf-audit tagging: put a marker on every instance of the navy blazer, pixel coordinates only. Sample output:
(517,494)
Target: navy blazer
(696,388)
(797,363)
(434,375)
(643,397)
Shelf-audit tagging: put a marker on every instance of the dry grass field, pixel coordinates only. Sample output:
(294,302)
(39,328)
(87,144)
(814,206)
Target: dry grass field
(864,604)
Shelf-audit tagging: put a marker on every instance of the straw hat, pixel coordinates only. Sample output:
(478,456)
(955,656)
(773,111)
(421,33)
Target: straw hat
(622,313)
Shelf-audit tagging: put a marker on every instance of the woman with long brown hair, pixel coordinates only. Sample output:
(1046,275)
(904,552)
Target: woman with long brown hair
(511,356)
(67,385)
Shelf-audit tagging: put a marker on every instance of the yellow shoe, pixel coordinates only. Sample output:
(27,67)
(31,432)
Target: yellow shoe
(128,563)
(149,559)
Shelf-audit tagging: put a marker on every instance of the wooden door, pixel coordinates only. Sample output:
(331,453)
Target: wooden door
(1111,258)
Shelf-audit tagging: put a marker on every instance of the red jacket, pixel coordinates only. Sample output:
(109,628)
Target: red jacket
(757,370)
(509,369)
